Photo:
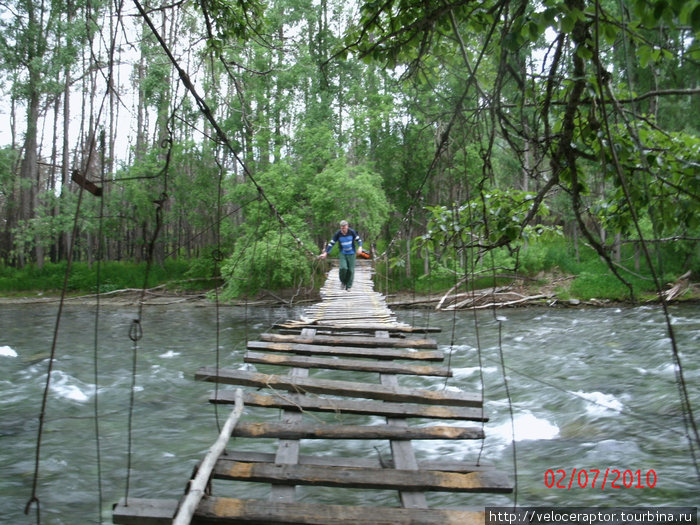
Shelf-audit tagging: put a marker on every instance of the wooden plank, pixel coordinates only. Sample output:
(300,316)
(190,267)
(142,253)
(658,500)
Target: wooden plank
(338,388)
(351,406)
(366,478)
(287,453)
(86,184)
(346,314)
(365,327)
(348,351)
(285,430)
(143,511)
(355,461)
(402,451)
(404,458)
(288,449)
(346,364)
(352,340)
(230,510)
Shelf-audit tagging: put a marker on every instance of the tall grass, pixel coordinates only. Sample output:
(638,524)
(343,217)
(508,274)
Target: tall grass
(113,276)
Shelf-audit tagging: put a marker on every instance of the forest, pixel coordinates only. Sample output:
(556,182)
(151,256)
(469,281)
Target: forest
(460,138)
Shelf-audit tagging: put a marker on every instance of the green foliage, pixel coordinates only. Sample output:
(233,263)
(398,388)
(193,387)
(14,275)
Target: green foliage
(484,98)
(227,21)
(155,83)
(50,277)
(271,262)
(662,180)
(46,225)
(8,159)
(400,28)
(493,219)
(354,193)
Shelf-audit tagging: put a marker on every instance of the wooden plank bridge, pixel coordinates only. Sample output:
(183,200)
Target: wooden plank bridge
(347,331)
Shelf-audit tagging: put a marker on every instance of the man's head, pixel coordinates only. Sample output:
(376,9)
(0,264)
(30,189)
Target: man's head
(344,227)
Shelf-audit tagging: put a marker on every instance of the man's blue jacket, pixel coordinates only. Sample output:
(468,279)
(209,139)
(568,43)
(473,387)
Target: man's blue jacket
(347,241)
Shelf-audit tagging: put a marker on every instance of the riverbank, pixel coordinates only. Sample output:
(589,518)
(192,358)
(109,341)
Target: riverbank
(552,290)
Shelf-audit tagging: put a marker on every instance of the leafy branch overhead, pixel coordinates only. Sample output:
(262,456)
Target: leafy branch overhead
(492,220)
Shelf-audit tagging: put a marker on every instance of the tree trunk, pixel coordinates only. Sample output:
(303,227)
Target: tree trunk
(28,173)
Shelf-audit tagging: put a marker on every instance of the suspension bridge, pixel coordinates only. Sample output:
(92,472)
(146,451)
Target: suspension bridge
(346,332)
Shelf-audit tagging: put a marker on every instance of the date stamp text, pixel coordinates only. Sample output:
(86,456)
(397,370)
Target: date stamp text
(609,478)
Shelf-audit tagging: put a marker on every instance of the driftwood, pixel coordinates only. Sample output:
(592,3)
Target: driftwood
(472,301)
(521,300)
(450,295)
(494,297)
(678,288)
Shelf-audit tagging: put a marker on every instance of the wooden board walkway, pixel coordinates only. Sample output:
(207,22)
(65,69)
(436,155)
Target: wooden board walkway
(347,332)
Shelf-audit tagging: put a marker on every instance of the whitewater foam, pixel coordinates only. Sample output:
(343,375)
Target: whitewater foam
(6,351)
(601,403)
(527,427)
(67,387)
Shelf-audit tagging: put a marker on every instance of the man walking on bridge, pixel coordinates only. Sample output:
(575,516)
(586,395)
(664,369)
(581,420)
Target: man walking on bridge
(347,237)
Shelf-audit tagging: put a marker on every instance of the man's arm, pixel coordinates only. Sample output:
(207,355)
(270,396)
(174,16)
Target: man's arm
(359,242)
(329,247)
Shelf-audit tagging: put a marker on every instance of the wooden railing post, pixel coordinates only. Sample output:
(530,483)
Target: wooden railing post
(199,483)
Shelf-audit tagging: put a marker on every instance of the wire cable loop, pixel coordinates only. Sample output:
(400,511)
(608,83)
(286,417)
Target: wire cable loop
(135,331)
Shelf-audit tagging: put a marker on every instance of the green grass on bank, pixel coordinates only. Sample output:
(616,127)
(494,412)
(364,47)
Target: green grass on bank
(105,277)
(593,278)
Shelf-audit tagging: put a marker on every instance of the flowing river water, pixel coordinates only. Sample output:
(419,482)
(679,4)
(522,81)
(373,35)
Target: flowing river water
(590,389)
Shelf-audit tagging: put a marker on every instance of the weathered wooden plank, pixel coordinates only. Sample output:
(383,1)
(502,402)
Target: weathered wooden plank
(347,364)
(143,511)
(403,455)
(368,478)
(229,510)
(288,449)
(354,311)
(338,388)
(348,351)
(351,406)
(352,340)
(355,461)
(285,430)
(365,327)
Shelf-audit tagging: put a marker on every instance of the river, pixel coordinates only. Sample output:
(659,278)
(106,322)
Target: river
(590,389)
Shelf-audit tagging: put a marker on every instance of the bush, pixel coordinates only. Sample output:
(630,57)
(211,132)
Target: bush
(273,263)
